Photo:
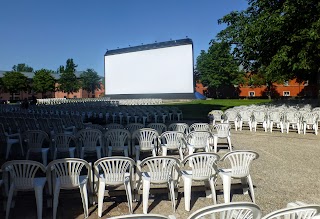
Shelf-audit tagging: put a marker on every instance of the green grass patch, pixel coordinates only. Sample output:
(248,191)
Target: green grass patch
(199,109)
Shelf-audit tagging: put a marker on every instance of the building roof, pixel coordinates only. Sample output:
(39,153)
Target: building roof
(150,46)
(30,75)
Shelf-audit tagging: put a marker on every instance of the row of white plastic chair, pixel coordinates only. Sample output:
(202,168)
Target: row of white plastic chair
(114,171)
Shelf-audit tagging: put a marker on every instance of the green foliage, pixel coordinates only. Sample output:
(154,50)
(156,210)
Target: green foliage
(217,67)
(90,80)
(22,67)
(280,40)
(15,82)
(68,81)
(43,81)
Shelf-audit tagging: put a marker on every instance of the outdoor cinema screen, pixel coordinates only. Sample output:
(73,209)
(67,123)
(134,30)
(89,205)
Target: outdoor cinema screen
(160,68)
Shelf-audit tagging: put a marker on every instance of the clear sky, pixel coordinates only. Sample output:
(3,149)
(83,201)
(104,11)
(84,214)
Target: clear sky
(44,34)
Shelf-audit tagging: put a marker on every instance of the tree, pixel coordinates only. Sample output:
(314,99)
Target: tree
(277,39)
(43,81)
(90,80)
(22,67)
(14,82)
(68,81)
(217,67)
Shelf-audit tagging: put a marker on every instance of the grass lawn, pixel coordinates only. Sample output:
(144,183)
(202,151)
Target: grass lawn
(199,109)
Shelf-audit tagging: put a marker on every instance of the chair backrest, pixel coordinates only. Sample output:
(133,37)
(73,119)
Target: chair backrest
(146,137)
(245,115)
(114,169)
(67,171)
(259,116)
(144,216)
(132,127)
(231,115)
(240,162)
(217,115)
(292,116)
(117,137)
(203,165)
(35,138)
(180,127)
(95,126)
(222,130)
(89,138)
(23,172)
(238,210)
(275,116)
(301,212)
(160,127)
(199,127)
(310,118)
(160,168)
(172,139)
(199,139)
(62,141)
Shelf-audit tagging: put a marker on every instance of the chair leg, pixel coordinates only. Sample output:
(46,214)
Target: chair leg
(44,157)
(10,195)
(244,183)
(8,150)
(56,193)
(127,185)
(84,197)
(213,190)
(71,153)
(98,152)
(164,150)
(226,180)
(187,192)
(137,153)
(145,196)
(181,153)
(172,195)
(215,143)
(251,188)
(39,199)
(229,142)
(102,187)
(126,153)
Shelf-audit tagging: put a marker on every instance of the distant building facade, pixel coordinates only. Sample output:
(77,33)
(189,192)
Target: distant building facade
(57,94)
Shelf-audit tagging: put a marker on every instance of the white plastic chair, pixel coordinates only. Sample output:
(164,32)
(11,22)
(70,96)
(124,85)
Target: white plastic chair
(310,120)
(89,141)
(234,210)
(118,140)
(148,141)
(275,117)
(239,162)
(66,174)
(301,212)
(35,140)
(245,116)
(232,117)
(203,168)
(259,117)
(132,127)
(222,131)
(198,140)
(9,140)
(172,140)
(23,178)
(293,118)
(114,171)
(160,170)
(217,116)
(61,144)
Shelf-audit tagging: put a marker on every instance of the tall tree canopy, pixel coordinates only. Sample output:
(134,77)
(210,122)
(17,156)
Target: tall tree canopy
(14,82)
(43,81)
(90,80)
(68,81)
(217,67)
(22,67)
(278,39)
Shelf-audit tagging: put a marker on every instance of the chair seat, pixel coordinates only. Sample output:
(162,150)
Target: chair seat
(82,180)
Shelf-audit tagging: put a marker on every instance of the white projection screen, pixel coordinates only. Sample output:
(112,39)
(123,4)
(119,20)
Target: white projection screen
(154,69)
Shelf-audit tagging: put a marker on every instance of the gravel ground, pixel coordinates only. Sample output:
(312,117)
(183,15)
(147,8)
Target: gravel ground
(286,171)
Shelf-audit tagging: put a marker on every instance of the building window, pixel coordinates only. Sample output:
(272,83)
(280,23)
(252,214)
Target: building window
(252,94)
(306,83)
(286,93)
(286,83)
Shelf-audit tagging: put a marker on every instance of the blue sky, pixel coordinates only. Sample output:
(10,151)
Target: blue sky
(44,34)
